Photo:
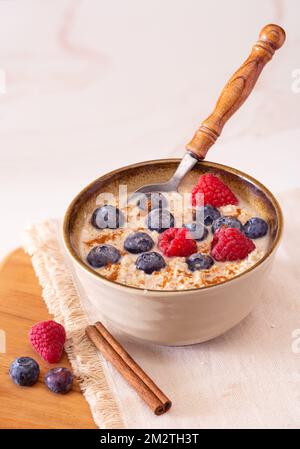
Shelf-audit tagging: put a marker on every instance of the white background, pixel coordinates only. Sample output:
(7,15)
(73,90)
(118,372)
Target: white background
(92,85)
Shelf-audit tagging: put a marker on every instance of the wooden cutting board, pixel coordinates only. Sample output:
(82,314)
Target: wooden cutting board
(21,305)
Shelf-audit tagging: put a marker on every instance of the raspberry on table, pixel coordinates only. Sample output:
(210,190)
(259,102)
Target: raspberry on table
(24,371)
(230,244)
(214,191)
(175,242)
(48,339)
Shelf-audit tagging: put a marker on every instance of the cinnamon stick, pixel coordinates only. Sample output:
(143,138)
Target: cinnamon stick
(133,365)
(128,368)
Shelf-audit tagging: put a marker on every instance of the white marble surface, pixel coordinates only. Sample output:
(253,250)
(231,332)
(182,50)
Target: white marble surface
(92,85)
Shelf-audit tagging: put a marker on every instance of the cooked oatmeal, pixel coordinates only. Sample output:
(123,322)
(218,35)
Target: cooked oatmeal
(176,274)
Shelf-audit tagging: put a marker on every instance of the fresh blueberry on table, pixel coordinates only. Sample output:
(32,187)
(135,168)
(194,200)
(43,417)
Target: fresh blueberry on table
(107,217)
(255,228)
(199,262)
(152,200)
(59,380)
(150,262)
(210,214)
(228,222)
(198,231)
(24,371)
(139,242)
(102,255)
(159,220)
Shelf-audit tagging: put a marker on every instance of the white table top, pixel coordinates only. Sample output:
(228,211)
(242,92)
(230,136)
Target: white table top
(94,85)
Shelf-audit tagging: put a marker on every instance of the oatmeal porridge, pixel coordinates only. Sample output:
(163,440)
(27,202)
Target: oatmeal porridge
(202,236)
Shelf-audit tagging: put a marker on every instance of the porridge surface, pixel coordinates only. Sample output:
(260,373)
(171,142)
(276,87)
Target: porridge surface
(176,275)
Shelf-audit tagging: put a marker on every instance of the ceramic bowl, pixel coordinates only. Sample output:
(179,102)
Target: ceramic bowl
(175,317)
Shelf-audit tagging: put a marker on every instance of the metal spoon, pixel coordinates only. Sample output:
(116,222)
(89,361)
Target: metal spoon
(238,88)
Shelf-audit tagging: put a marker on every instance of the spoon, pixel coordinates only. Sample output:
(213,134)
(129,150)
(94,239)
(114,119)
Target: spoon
(233,95)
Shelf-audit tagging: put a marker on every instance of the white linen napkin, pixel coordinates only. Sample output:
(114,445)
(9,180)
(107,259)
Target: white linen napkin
(246,378)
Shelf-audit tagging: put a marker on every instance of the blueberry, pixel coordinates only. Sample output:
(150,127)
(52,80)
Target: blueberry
(228,222)
(102,255)
(59,380)
(24,371)
(210,214)
(139,242)
(159,220)
(255,228)
(198,231)
(150,201)
(199,262)
(107,217)
(150,262)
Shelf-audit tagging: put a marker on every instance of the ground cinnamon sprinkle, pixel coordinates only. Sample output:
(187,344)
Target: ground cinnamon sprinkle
(237,212)
(113,275)
(216,280)
(104,238)
(204,248)
(98,240)
(167,277)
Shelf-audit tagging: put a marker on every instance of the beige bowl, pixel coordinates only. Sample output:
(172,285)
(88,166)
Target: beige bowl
(175,317)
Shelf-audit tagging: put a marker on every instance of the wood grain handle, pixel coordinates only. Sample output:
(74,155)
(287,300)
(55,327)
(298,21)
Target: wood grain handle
(238,88)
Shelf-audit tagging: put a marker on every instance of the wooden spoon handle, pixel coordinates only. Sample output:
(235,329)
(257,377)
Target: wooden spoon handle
(237,89)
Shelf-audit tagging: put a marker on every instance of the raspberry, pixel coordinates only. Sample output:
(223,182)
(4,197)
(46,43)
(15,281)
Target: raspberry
(175,242)
(230,244)
(48,339)
(214,191)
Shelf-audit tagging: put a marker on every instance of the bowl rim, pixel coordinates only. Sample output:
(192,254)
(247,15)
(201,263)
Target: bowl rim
(75,258)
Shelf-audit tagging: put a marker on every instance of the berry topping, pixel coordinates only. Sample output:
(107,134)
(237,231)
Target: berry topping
(139,242)
(214,192)
(48,339)
(24,371)
(102,255)
(150,201)
(150,262)
(255,228)
(199,262)
(107,217)
(159,220)
(59,380)
(197,231)
(175,242)
(230,244)
(210,214)
(228,222)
